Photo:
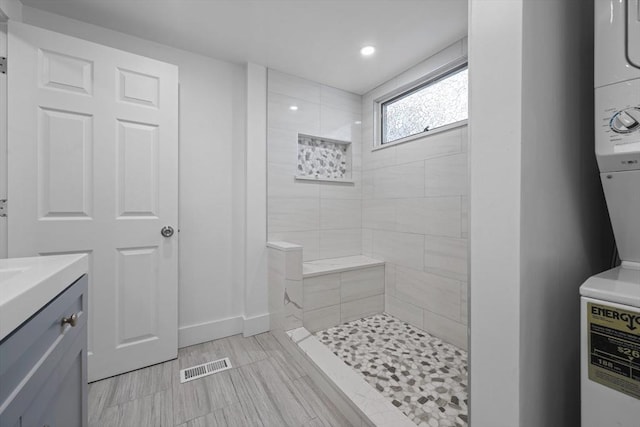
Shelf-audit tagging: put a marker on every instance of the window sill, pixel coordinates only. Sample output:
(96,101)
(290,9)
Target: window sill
(421,135)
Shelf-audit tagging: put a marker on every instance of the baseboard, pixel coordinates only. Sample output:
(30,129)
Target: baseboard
(255,325)
(208,331)
(216,329)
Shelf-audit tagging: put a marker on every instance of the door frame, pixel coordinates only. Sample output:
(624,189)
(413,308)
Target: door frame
(4,161)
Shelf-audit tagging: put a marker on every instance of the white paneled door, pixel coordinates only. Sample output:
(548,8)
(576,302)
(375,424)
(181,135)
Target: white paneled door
(93,168)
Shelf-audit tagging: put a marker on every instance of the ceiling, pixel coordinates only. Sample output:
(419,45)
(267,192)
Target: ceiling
(316,39)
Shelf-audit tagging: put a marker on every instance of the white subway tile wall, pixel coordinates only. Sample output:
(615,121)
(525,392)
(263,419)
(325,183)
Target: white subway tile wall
(340,243)
(414,217)
(324,217)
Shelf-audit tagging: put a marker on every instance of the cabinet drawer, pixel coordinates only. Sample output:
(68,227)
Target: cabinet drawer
(61,401)
(31,354)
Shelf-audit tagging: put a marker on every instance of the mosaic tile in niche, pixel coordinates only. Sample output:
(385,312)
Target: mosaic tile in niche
(323,159)
(421,375)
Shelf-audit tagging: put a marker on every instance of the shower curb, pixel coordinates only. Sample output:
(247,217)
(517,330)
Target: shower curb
(358,401)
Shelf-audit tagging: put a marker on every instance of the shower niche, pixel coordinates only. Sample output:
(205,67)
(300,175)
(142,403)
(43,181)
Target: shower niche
(323,159)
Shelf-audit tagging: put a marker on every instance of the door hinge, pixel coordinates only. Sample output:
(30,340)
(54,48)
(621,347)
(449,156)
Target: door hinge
(4,210)
(3,64)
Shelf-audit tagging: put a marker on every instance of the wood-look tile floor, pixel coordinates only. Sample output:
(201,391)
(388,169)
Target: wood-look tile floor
(265,387)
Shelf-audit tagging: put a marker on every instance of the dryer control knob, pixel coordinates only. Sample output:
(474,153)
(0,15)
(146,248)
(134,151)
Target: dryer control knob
(626,121)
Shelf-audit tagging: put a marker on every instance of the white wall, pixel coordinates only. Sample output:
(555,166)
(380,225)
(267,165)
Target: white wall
(323,217)
(3,139)
(495,46)
(538,221)
(239,202)
(256,312)
(565,233)
(212,117)
(414,214)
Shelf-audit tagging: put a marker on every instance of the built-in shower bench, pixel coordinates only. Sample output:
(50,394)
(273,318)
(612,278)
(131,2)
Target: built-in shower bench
(322,293)
(338,265)
(339,290)
(305,297)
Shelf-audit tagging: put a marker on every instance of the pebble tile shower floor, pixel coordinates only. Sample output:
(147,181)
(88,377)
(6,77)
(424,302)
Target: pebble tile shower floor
(421,375)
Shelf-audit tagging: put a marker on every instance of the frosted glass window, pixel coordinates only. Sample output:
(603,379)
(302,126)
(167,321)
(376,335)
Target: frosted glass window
(428,107)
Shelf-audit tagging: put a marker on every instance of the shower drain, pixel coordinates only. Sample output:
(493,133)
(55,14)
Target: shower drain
(209,368)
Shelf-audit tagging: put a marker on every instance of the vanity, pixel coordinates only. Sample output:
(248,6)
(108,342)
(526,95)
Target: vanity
(43,341)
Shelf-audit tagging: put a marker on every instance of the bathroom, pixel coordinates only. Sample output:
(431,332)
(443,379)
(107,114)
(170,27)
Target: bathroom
(466,239)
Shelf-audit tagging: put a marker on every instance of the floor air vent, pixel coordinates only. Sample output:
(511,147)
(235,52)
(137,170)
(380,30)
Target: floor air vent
(209,368)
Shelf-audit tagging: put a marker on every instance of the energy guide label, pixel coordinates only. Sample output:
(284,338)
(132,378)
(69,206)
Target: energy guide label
(614,348)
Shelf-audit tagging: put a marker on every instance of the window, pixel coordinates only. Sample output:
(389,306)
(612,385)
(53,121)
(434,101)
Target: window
(439,102)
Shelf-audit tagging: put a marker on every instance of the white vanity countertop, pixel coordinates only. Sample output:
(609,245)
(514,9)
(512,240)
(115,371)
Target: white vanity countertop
(28,284)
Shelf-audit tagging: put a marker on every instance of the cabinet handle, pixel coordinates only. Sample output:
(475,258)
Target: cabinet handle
(71,320)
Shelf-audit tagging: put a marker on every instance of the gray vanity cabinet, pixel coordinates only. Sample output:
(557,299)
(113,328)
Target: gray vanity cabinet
(43,365)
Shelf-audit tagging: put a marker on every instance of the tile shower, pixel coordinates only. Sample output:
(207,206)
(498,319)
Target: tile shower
(421,375)
(403,207)
(414,374)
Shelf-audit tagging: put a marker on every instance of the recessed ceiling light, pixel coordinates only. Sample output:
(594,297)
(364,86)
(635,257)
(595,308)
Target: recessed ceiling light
(367,50)
(293,108)
(358,122)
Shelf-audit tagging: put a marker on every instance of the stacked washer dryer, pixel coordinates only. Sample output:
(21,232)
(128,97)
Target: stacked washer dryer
(610,301)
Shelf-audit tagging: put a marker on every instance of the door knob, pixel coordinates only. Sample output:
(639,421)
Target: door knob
(167,231)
